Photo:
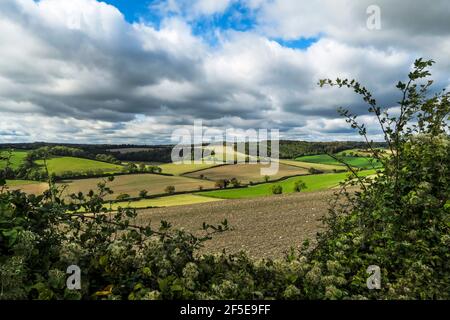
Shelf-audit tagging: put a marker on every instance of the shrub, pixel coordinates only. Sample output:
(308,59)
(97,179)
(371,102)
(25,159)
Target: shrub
(235,182)
(143,193)
(316,171)
(170,189)
(299,186)
(123,196)
(222,184)
(277,189)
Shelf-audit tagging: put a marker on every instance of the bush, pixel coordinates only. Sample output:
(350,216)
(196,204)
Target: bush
(316,171)
(170,189)
(143,193)
(277,189)
(235,182)
(123,196)
(222,184)
(299,186)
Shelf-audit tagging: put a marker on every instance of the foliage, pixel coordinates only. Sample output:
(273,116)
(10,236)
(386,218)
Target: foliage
(143,193)
(277,189)
(170,189)
(299,186)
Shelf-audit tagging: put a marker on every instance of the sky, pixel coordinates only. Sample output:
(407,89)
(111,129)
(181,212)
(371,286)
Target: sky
(129,71)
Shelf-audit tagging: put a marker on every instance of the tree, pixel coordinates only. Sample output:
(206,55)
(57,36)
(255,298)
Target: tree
(277,189)
(170,189)
(123,196)
(235,182)
(222,183)
(299,186)
(143,193)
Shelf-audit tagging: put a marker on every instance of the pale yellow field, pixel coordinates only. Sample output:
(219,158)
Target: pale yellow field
(318,166)
(169,201)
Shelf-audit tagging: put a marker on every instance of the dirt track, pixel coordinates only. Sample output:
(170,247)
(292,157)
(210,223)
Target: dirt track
(264,227)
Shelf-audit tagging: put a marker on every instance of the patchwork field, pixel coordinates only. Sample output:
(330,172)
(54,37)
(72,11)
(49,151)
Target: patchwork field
(132,184)
(62,164)
(313,183)
(17,158)
(170,201)
(247,172)
(358,162)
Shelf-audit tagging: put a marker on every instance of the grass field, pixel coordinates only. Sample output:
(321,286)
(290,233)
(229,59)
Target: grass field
(247,172)
(308,165)
(170,201)
(133,183)
(179,169)
(358,162)
(16,159)
(14,183)
(61,164)
(313,183)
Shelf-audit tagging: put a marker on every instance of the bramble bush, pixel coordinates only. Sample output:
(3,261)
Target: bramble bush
(398,220)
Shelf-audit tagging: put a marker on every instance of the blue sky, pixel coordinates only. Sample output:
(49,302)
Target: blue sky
(237,16)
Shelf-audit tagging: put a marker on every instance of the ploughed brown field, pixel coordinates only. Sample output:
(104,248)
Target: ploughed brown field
(247,172)
(264,227)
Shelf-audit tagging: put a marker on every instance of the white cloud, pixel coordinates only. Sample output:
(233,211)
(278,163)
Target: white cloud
(80,69)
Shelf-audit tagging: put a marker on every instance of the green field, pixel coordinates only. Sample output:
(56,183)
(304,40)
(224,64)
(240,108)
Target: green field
(14,183)
(170,201)
(17,158)
(179,169)
(358,162)
(61,164)
(313,183)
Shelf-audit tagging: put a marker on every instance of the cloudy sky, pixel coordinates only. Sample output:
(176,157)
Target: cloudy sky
(132,71)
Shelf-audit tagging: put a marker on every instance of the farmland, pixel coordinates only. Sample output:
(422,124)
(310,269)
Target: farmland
(178,169)
(169,201)
(192,179)
(247,173)
(264,227)
(313,183)
(31,187)
(317,166)
(358,162)
(132,184)
(59,165)
(17,158)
